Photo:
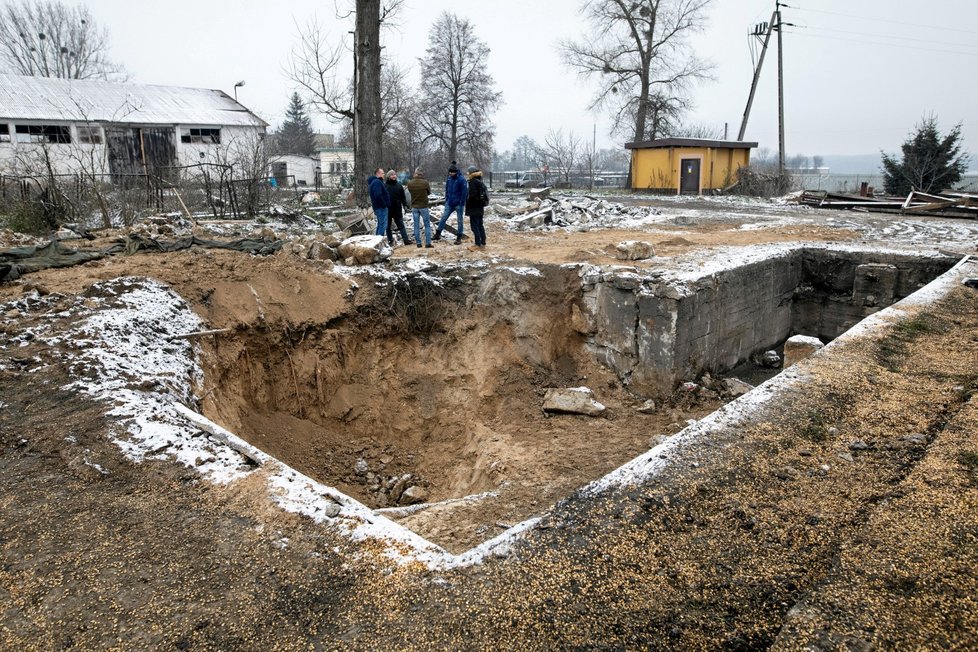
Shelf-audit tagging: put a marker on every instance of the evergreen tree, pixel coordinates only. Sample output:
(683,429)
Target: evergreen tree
(931,162)
(296,135)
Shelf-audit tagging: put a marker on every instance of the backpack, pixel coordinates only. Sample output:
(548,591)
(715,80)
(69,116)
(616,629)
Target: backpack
(483,195)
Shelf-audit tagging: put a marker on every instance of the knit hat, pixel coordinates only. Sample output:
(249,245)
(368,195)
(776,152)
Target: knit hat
(391,174)
(453,167)
(472,169)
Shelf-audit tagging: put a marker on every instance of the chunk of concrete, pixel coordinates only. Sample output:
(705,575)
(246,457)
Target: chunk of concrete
(632,250)
(365,249)
(736,387)
(575,400)
(413,495)
(799,347)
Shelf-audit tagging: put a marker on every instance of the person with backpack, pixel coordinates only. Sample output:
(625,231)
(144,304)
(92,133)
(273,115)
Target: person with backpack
(475,207)
(456,192)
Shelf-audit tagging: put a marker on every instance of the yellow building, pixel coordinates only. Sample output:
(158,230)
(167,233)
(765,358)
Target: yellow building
(687,165)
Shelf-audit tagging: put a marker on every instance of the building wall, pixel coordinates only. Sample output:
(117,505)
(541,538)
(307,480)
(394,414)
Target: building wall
(658,168)
(303,169)
(336,165)
(238,144)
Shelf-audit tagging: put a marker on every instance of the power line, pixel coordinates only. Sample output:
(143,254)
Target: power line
(898,38)
(943,28)
(891,45)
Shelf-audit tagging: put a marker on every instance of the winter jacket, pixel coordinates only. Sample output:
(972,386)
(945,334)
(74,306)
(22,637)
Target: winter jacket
(378,193)
(456,190)
(475,205)
(398,199)
(419,189)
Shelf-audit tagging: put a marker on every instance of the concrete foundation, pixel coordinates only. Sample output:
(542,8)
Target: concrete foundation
(656,331)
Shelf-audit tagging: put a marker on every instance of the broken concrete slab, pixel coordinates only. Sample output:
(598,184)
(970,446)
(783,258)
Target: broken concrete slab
(575,400)
(632,250)
(799,347)
(365,249)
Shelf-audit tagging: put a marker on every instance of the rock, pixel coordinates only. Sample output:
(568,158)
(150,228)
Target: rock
(321,251)
(769,359)
(800,347)
(386,459)
(311,198)
(361,467)
(581,322)
(649,407)
(632,250)
(331,510)
(847,457)
(627,281)
(268,234)
(365,249)
(399,487)
(12,314)
(539,193)
(736,387)
(858,445)
(690,387)
(413,495)
(576,400)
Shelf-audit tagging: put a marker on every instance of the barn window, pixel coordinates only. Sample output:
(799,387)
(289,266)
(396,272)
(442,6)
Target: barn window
(43,134)
(90,135)
(4,133)
(206,136)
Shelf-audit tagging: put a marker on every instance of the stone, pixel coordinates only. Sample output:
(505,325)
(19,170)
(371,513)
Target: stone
(321,251)
(581,322)
(769,359)
(736,387)
(575,400)
(649,407)
(361,467)
(399,487)
(12,314)
(858,445)
(632,250)
(365,249)
(413,495)
(331,509)
(799,347)
(627,281)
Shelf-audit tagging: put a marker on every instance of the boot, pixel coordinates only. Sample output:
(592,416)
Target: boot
(457,241)
(437,235)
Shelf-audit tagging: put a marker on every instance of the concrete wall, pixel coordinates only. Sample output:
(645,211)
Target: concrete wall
(655,333)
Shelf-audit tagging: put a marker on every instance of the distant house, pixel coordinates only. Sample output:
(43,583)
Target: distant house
(687,165)
(119,129)
(294,169)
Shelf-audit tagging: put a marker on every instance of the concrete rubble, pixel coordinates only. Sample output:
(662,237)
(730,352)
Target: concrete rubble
(575,400)
(799,347)
(365,250)
(581,213)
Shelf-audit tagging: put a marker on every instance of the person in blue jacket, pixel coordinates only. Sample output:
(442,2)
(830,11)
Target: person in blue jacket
(380,200)
(456,192)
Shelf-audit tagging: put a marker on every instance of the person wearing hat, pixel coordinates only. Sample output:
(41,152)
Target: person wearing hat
(456,192)
(399,203)
(475,207)
(419,188)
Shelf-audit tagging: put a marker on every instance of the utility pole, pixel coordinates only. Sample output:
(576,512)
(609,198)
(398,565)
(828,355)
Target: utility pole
(767,29)
(777,11)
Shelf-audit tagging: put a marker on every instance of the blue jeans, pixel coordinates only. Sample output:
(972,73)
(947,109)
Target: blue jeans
(460,209)
(381,214)
(425,215)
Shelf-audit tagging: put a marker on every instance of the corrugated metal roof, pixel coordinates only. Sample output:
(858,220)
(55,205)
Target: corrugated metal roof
(45,98)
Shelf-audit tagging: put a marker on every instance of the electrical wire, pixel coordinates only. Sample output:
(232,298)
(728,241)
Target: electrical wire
(887,36)
(884,44)
(943,28)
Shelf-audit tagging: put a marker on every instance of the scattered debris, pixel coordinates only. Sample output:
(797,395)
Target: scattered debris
(948,204)
(632,250)
(365,250)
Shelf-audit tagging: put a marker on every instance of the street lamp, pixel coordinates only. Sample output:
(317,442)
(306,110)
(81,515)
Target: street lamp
(236,86)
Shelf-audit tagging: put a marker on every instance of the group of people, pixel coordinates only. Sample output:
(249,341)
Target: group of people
(390,197)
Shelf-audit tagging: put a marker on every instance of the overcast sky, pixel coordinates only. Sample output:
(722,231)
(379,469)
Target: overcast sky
(858,74)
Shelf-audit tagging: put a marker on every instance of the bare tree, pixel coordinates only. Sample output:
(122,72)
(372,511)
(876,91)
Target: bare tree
(318,69)
(464,98)
(560,153)
(642,59)
(49,39)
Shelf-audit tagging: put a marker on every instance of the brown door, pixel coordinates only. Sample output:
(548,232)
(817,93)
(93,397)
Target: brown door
(135,151)
(689,179)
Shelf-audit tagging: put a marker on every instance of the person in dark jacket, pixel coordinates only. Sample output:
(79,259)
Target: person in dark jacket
(475,207)
(380,201)
(399,204)
(456,192)
(420,189)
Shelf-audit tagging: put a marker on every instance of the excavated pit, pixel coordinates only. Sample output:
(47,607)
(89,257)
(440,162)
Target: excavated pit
(430,389)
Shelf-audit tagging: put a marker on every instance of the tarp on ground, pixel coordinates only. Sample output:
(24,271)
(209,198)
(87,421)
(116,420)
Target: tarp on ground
(18,261)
